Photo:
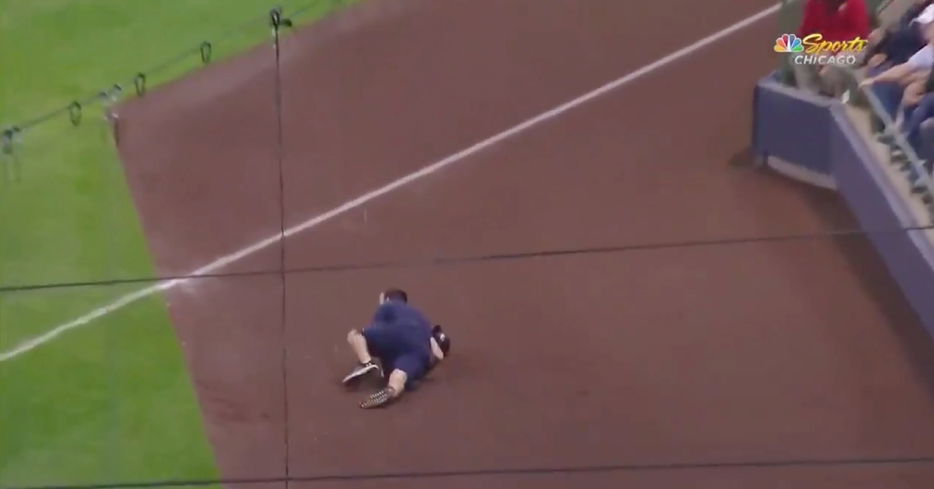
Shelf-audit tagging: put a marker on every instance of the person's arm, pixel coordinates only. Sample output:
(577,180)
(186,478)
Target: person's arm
(915,77)
(357,343)
(921,61)
(895,73)
(914,92)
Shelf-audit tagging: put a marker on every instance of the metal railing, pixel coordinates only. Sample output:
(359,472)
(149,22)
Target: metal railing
(909,161)
(889,131)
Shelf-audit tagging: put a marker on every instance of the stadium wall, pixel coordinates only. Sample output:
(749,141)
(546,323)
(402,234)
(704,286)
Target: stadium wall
(812,139)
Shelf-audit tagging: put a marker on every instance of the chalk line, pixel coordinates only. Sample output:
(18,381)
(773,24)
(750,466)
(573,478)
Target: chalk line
(312,222)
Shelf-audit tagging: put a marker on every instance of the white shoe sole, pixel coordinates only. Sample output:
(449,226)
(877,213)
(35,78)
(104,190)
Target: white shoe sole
(360,373)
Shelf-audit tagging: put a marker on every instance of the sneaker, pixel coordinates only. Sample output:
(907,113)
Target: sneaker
(381,398)
(362,370)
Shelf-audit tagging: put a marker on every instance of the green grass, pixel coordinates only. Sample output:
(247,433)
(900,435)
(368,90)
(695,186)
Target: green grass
(67,50)
(111,400)
(108,402)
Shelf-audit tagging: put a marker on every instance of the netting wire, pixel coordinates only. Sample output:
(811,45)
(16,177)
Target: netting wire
(441,260)
(138,81)
(512,471)
(277,22)
(203,49)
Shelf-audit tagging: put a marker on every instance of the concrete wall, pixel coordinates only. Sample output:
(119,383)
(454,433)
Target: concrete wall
(815,135)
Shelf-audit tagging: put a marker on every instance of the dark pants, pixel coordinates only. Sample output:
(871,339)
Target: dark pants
(400,347)
(914,118)
(918,128)
(888,93)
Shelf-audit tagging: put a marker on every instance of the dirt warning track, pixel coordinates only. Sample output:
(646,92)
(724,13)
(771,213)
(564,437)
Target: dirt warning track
(751,364)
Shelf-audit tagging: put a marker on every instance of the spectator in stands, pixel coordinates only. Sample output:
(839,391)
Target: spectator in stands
(918,127)
(898,38)
(923,145)
(914,119)
(835,20)
(892,83)
(914,92)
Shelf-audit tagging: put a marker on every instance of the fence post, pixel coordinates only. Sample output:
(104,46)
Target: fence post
(110,98)
(11,162)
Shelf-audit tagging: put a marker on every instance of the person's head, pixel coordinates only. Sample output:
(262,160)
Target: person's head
(442,339)
(393,295)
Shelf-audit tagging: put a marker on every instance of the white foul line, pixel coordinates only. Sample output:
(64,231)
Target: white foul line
(223,261)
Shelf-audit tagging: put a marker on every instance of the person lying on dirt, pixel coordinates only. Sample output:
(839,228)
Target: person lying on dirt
(403,341)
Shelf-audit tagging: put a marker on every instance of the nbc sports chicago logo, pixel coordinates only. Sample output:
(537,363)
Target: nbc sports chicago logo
(814,50)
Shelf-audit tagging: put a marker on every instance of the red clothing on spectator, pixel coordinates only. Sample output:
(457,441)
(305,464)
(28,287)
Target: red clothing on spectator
(849,21)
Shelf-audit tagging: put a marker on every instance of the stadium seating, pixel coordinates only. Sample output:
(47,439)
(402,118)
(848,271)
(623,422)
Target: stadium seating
(852,144)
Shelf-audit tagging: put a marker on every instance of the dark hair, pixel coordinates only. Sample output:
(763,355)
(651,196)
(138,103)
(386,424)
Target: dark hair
(396,295)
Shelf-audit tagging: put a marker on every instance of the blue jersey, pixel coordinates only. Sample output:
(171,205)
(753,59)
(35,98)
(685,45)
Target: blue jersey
(400,336)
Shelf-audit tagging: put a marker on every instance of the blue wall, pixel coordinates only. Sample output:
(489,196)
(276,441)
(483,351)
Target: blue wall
(792,125)
(816,134)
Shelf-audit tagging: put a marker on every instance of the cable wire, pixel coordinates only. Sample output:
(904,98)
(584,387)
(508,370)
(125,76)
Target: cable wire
(512,471)
(487,257)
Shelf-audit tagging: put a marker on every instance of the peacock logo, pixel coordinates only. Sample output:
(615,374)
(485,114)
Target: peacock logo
(788,43)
